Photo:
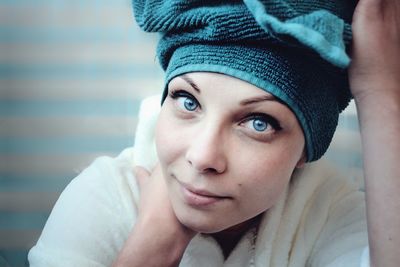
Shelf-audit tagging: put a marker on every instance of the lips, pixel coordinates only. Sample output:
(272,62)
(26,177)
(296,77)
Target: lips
(198,197)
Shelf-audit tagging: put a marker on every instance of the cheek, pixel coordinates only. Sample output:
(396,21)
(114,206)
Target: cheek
(265,177)
(268,180)
(262,192)
(163,138)
(167,134)
(276,160)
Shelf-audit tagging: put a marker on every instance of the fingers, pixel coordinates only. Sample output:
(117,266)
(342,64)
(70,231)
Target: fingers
(141,175)
(378,9)
(368,9)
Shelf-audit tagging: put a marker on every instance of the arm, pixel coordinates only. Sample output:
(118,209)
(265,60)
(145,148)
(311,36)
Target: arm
(375,84)
(158,238)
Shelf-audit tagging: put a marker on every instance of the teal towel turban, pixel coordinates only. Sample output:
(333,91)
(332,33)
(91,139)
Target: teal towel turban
(294,49)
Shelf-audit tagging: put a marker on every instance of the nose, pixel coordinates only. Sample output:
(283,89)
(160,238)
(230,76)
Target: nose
(206,151)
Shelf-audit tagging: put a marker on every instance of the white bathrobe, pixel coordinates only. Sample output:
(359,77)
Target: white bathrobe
(318,221)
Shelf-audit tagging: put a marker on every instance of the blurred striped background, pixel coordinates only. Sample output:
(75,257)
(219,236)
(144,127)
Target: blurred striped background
(72,73)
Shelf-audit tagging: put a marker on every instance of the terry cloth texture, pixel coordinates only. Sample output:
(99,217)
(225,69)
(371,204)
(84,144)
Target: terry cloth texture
(319,220)
(295,50)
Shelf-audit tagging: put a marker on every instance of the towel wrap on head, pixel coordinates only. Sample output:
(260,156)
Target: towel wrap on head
(295,50)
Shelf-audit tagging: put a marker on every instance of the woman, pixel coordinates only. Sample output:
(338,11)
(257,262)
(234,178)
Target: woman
(238,121)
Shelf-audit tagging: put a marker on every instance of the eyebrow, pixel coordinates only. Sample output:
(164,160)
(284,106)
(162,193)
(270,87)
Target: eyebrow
(258,99)
(243,102)
(191,83)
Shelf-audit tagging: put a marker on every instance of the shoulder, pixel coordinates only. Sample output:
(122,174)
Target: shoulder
(334,212)
(97,207)
(327,195)
(112,171)
(106,178)
(318,193)
(109,182)
(323,178)
(103,166)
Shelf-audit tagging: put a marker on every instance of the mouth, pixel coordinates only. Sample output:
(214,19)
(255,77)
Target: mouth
(199,197)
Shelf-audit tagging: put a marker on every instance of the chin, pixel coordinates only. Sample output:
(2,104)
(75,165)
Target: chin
(207,226)
(204,229)
(200,226)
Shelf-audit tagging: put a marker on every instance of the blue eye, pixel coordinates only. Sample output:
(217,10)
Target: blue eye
(184,100)
(260,125)
(189,103)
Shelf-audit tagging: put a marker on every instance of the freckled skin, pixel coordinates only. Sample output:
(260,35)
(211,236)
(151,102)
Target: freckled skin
(216,148)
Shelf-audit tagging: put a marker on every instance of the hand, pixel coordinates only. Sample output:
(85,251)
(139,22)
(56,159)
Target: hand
(157,238)
(155,207)
(375,67)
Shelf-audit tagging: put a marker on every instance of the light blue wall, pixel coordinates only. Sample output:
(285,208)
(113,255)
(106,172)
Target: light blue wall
(72,74)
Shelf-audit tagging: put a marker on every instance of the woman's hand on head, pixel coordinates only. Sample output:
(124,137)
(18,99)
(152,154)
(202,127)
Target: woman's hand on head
(375,67)
(157,238)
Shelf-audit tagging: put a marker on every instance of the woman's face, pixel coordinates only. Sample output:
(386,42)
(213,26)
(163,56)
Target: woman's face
(227,149)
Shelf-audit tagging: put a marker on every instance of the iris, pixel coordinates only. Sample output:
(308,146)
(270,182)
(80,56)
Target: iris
(259,125)
(190,104)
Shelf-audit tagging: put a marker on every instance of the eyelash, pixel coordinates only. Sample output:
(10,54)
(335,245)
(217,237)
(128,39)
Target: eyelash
(175,94)
(269,120)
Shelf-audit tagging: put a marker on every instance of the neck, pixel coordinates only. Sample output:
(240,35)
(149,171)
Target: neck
(228,238)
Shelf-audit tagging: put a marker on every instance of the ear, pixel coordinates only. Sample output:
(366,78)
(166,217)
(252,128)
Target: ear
(302,160)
